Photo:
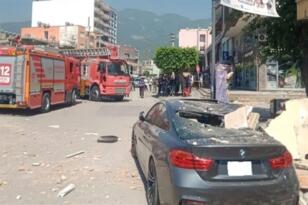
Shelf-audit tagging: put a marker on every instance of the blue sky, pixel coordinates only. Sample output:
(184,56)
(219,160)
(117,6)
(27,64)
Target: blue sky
(20,10)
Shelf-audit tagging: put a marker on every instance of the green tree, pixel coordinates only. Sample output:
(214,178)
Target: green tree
(287,37)
(174,59)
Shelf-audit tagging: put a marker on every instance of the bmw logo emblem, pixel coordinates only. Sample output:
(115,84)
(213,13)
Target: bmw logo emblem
(242,153)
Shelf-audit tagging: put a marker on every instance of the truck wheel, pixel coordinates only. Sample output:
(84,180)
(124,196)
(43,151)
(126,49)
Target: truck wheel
(74,97)
(94,94)
(45,103)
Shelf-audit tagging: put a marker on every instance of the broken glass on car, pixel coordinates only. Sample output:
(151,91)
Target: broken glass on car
(202,127)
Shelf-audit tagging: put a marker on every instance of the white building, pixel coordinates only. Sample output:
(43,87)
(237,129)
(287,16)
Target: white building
(95,15)
(195,38)
(150,66)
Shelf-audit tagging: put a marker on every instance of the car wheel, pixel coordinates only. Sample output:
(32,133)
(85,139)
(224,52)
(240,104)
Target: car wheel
(45,103)
(152,185)
(133,147)
(94,94)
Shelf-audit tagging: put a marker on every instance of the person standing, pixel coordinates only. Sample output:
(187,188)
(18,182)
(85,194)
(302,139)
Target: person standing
(155,84)
(223,74)
(150,84)
(160,85)
(141,87)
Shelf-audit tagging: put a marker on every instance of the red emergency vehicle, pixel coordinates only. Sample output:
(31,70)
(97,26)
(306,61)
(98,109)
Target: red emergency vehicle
(33,77)
(102,73)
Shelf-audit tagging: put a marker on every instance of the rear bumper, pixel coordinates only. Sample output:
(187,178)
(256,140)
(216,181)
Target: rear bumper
(249,196)
(188,185)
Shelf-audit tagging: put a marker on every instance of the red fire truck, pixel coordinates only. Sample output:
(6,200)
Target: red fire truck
(32,77)
(102,73)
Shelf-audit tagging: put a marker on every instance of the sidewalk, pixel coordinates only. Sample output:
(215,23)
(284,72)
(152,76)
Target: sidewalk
(258,98)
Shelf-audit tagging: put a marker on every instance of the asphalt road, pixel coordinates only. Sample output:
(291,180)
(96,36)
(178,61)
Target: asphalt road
(33,150)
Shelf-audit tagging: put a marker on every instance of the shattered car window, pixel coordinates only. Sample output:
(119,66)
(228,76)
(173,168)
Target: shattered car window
(203,128)
(190,125)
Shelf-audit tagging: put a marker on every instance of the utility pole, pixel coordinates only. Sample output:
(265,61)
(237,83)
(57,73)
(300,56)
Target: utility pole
(213,90)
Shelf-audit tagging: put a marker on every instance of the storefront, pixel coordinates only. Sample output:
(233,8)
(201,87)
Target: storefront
(245,63)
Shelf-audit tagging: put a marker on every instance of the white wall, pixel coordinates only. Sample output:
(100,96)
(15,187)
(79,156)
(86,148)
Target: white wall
(58,12)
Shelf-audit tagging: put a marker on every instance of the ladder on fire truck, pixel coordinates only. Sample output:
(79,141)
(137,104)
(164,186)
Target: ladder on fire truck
(83,53)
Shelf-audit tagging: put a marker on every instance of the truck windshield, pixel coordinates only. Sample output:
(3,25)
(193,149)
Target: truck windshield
(117,69)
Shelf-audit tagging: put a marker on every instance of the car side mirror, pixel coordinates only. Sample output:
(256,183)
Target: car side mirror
(141,117)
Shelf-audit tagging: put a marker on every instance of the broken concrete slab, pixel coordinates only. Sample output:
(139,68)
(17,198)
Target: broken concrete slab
(253,120)
(291,128)
(238,118)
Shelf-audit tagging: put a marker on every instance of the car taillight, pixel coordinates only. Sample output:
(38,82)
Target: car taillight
(186,160)
(284,161)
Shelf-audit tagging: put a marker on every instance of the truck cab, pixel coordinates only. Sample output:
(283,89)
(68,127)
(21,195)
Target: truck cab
(105,77)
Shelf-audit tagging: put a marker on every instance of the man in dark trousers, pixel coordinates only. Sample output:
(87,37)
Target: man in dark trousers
(141,87)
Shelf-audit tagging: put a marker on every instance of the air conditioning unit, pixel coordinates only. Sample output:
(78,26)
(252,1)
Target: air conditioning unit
(262,38)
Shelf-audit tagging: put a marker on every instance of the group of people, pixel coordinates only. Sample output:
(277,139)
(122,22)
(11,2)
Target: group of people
(167,85)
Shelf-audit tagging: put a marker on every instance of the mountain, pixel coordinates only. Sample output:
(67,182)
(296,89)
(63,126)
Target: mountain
(142,29)
(14,26)
(148,31)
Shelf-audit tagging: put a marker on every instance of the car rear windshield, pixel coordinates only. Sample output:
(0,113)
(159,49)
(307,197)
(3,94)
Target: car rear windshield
(190,124)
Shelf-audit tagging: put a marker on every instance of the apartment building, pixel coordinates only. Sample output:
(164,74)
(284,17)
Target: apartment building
(68,36)
(198,38)
(95,15)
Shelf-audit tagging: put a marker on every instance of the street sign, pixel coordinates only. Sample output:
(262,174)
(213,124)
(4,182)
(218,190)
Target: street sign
(260,7)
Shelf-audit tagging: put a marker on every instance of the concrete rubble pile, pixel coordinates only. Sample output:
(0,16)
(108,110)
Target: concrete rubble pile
(291,129)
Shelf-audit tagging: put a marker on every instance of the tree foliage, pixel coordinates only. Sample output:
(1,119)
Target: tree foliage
(173,59)
(287,37)
(283,33)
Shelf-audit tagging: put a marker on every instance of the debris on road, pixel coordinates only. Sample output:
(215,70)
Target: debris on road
(21,169)
(3,183)
(18,197)
(63,178)
(91,133)
(54,126)
(107,139)
(54,189)
(133,188)
(66,190)
(36,164)
(75,154)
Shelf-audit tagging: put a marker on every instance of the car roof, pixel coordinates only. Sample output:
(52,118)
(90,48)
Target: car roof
(202,106)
